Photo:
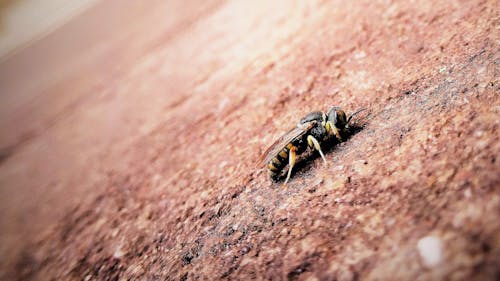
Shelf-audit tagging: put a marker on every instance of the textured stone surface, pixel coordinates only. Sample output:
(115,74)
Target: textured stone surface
(133,154)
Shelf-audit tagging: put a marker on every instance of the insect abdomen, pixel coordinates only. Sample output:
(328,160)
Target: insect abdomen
(279,161)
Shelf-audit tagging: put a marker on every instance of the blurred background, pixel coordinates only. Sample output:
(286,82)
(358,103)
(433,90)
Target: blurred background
(23,21)
(130,133)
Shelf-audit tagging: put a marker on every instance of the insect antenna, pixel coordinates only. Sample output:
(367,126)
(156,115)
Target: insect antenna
(355,113)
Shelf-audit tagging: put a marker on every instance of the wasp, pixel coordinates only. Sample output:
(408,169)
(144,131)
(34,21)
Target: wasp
(314,129)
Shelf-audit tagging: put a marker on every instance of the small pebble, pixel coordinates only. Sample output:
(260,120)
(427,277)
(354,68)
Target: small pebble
(118,253)
(430,249)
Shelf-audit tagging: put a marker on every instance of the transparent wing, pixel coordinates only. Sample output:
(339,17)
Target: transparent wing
(279,144)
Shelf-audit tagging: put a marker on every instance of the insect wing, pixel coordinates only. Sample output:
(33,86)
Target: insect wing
(279,144)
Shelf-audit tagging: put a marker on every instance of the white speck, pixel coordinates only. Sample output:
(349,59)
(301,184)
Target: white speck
(222,104)
(430,249)
(390,222)
(118,252)
(479,133)
(442,69)
(317,182)
(359,55)
(339,168)
(467,193)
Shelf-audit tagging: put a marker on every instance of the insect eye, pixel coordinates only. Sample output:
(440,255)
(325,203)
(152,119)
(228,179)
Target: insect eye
(341,118)
(337,117)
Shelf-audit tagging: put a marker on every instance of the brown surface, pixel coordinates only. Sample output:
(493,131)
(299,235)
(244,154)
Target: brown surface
(130,139)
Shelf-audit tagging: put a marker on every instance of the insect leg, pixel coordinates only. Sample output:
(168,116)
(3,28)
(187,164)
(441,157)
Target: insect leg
(313,142)
(334,130)
(291,162)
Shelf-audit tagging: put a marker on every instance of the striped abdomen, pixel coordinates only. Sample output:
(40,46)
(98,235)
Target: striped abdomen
(279,161)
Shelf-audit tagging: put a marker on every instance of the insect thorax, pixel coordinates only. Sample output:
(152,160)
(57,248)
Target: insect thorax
(319,132)
(300,143)
(313,116)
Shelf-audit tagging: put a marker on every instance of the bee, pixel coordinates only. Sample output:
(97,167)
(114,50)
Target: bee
(314,129)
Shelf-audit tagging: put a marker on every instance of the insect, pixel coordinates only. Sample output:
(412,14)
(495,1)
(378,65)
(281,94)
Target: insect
(312,130)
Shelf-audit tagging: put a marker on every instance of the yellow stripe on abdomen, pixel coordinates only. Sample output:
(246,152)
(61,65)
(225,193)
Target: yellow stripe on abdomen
(283,154)
(271,167)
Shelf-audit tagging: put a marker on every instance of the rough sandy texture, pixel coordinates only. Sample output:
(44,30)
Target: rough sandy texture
(131,151)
